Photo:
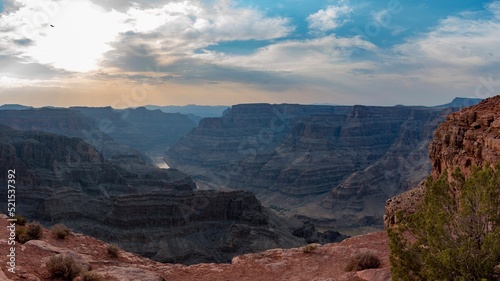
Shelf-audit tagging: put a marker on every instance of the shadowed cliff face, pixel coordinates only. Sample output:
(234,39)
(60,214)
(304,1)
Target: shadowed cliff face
(154,212)
(335,165)
(72,123)
(149,131)
(468,137)
(116,134)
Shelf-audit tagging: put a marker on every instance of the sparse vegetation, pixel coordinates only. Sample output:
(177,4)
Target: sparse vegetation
(22,235)
(455,233)
(113,250)
(31,231)
(60,231)
(91,276)
(20,220)
(362,261)
(310,248)
(60,266)
(35,230)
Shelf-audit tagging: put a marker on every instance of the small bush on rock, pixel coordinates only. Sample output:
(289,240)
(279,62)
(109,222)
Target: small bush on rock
(60,231)
(35,230)
(91,276)
(60,266)
(113,251)
(22,235)
(309,248)
(362,261)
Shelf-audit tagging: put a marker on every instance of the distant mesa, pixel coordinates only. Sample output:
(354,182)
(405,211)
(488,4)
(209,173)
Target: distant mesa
(194,112)
(462,102)
(14,107)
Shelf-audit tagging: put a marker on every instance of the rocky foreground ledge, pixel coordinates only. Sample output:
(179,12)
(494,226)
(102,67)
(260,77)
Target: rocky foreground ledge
(326,263)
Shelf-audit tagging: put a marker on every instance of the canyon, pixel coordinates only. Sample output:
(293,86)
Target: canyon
(235,176)
(157,213)
(332,165)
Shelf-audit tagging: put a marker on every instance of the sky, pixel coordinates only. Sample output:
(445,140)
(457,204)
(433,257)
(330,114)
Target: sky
(124,53)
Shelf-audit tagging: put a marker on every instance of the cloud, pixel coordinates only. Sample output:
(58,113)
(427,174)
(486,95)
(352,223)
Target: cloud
(10,6)
(456,54)
(17,68)
(23,42)
(312,55)
(457,41)
(329,19)
(494,7)
(125,5)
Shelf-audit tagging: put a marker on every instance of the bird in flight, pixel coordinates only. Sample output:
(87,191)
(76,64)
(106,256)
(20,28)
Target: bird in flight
(51,25)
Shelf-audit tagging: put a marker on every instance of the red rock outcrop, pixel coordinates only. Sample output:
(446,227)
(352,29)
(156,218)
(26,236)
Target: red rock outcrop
(468,137)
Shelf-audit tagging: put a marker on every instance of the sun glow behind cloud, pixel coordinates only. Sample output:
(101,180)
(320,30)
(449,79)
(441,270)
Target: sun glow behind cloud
(339,52)
(80,36)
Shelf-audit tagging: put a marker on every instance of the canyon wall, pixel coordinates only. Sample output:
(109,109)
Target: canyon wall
(154,212)
(334,165)
(468,137)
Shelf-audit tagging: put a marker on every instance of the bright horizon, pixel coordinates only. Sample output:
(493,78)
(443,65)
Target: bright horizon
(226,52)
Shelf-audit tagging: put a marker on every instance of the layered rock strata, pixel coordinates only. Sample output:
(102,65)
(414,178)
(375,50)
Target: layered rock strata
(468,137)
(333,165)
(157,213)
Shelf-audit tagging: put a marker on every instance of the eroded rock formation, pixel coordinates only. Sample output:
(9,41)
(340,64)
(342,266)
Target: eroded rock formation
(334,165)
(155,212)
(468,137)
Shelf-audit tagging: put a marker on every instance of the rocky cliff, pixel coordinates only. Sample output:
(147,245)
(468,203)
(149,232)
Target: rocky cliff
(334,165)
(157,213)
(468,137)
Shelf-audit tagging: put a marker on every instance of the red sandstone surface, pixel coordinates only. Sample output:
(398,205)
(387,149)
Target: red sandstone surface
(326,263)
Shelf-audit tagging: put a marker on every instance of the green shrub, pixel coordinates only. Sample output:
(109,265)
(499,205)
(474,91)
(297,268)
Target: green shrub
(455,233)
(35,230)
(60,231)
(91,276)
(309,248)
(362,261)
(113,250)
(60,266)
